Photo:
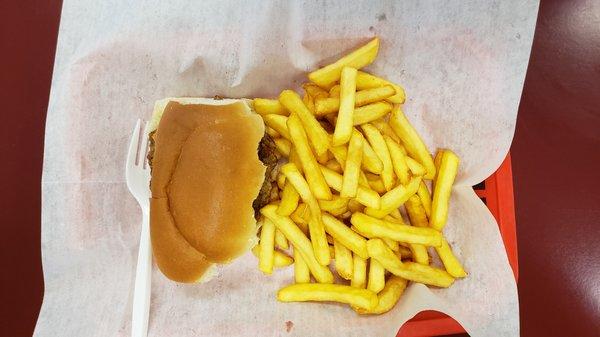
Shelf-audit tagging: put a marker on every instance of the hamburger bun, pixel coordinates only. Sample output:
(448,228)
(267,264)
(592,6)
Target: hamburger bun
(206,174)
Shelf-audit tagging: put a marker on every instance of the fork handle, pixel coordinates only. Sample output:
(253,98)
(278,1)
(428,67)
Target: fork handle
(143,273)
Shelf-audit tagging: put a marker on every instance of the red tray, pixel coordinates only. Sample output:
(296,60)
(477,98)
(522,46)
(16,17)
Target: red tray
(497,193)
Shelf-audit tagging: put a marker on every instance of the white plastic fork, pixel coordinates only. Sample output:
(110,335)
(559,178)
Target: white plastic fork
(137,175)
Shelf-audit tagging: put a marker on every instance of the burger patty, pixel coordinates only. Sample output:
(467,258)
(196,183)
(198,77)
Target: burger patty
(268,156)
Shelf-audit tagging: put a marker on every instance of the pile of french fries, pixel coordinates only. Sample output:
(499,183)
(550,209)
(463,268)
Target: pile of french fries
(351,161)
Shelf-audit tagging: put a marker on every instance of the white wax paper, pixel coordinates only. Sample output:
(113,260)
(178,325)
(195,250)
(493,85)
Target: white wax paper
(462,64)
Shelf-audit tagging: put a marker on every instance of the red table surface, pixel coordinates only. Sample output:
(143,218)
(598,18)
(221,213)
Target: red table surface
(555,158)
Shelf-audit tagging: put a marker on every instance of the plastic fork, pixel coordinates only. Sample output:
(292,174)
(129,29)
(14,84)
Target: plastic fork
(137,175)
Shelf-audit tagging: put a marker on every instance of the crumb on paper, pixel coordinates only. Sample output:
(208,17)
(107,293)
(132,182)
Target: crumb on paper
(288,326)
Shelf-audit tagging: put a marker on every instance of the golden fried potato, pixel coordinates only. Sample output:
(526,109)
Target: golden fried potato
(361,57)
(412,141)
(264,107)
(361,298)
(343,126)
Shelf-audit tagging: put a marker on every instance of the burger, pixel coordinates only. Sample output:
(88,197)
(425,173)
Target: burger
(212,168)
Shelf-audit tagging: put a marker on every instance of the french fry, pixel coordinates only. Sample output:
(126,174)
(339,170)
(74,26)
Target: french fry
(436,162)
(388,297)
(319,138)
(301,271)
(377,228)
(398,160)
(309,102)
(385,129)
(318,238)
(425,196)
(295,158)
(343,126)
(355,206)
(372,176)
(394,246)
(418,218)
(289,200)
(425,274)
(315,91)
(367,235)
(295,236)
(267,247)
(280,240)
(361,57)
(414,166)
(367,81)
(359,272)
(408,270)
(362,179)
(314,176)
(301,214)
(371,161)
(335,166)
(335,203)
(395,198)
(361,298)
(378,143)
(304,225)
(297,181)
(419,253)
(443,189)
(272,133)
(377,186)
(326,105)
(411,140)
(280,260)
(336,206)
(364,195)
(371,112)
(340,153)
(438,159)
(278,123)
(343,260)
(376,280)
(416,212)
(339,212)
(451,263)
(264,107)
(380,252)
(315,223)
(352,167)
(283,146)
(334,91)
(395,213)
(346,236)
(371,95)
(323,159)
